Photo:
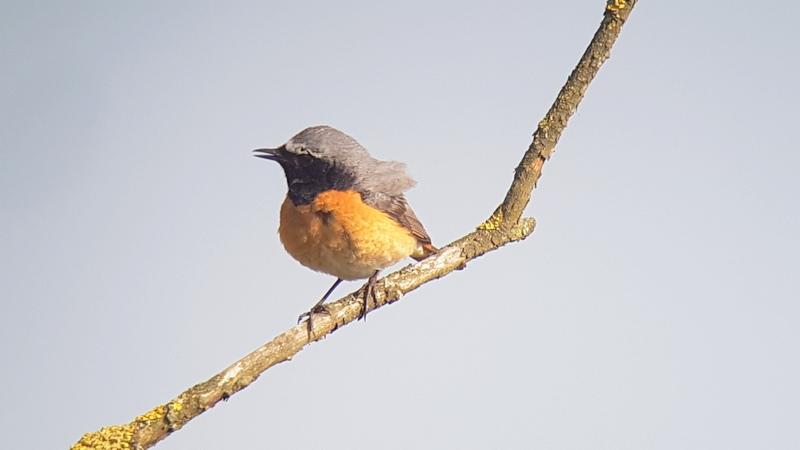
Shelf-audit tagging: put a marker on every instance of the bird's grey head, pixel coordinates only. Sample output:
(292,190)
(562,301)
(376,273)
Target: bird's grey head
(327,143)
(321,158)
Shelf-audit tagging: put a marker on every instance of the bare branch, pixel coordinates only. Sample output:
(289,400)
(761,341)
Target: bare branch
(504,226)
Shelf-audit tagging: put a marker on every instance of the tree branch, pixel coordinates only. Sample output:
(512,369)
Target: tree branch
(505,225)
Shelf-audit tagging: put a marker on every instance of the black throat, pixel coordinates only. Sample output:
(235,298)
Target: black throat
(307,177)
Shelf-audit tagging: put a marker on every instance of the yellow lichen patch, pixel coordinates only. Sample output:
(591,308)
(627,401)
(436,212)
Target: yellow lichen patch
(116,437)
(156,413)
(175,406)
(616,5)
(523,229)
(494,222)
(544,123)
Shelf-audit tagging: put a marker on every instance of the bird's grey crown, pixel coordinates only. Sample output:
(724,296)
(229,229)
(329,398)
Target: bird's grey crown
(330,144)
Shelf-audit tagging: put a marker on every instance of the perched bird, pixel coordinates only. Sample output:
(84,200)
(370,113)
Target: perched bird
(345,213)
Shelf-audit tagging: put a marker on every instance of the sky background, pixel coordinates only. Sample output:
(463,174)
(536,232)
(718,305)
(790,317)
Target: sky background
(655,307)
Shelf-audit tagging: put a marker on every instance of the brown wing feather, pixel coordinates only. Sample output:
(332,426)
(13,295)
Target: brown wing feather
(397,207)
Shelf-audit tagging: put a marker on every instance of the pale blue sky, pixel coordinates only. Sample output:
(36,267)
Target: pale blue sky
(655,307)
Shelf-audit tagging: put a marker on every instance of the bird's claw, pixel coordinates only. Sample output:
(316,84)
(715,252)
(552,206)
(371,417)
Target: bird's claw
(317,309)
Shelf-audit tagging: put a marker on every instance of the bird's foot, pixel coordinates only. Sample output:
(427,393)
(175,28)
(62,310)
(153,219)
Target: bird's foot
(316,309)
(369,290)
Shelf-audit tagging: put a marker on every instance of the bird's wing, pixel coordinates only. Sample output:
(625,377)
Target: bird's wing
(397,208)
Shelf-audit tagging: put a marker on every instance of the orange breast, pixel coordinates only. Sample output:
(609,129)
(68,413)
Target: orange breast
(341,235)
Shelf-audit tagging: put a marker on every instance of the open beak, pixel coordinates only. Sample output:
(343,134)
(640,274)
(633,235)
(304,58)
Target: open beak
(268,153)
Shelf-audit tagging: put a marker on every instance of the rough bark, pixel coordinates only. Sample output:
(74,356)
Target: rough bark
(505,225)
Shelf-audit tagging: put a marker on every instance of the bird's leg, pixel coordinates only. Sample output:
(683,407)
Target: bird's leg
(318,307)
(369,289)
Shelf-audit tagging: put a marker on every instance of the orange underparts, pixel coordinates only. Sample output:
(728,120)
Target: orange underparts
(341,235)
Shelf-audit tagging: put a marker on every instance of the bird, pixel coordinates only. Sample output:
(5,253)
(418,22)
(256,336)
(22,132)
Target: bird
(344,213)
